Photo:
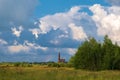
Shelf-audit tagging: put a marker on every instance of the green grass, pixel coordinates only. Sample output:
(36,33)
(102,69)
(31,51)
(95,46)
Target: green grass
(46,73)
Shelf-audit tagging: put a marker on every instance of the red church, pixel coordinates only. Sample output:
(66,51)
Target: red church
(60,59)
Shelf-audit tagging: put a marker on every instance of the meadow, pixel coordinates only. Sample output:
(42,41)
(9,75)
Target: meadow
(38,72)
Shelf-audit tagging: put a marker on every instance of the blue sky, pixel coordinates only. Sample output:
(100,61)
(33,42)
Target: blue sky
(50,7)
(36,30)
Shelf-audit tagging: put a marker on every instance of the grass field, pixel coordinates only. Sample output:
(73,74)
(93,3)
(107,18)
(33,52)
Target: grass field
(47,73)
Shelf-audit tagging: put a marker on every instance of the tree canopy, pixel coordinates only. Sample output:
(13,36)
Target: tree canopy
(93,55)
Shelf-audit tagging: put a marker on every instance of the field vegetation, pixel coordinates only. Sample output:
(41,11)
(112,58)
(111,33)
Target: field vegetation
(9,71)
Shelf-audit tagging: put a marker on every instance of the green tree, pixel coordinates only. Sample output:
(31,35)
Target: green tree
(88,55)
(108,49)
(116,62)
(71,61)
(93,55)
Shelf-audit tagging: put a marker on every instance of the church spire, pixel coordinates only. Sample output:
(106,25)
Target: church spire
(59,57)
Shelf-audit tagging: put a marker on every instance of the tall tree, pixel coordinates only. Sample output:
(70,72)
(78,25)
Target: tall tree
(108,49)
(116,62)
(93,55)
(88,55)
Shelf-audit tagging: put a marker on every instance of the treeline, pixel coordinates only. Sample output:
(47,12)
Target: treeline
(31,64)
(16,64)
(94,55)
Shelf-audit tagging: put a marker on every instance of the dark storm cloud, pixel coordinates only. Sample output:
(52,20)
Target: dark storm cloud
(16,12)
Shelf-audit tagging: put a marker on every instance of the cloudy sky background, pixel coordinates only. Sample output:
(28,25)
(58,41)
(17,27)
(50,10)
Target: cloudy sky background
(36,30)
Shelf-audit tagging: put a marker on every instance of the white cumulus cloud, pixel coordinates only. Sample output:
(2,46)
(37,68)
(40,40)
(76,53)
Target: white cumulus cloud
(72,51)
(35,32)
(77,32)
(107,21)
(35,46)
(62,21)
(16,31)
(18,48)
(55,42)
(3,42)
(59,20)
(25,47)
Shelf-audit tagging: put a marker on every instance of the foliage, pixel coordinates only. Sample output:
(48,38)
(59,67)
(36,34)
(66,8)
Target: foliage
(22,64)
(58,65)
(53,65)
(93,55)
(71,61)
(40,73)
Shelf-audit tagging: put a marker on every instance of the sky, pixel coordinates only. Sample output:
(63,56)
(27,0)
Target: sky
(37,30)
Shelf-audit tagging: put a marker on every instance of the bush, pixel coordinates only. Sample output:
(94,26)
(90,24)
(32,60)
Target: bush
(53,65)
(22,64)
(17,64)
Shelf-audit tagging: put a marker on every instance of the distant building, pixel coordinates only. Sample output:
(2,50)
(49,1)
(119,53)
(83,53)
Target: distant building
(60,59)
